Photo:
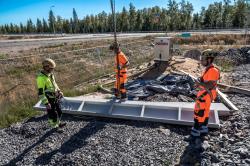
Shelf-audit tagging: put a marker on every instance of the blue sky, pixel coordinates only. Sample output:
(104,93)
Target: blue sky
(17,11)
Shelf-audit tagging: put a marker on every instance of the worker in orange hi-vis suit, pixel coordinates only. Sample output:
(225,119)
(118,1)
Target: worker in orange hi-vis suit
(207,85)
(121,64)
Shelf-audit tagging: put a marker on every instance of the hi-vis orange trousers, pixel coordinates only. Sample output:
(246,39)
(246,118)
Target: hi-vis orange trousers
(122,80)
(202,106)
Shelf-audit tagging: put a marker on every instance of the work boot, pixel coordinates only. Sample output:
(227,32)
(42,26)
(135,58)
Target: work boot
(195,132)
(62,124)
(189,138)
(204,130)
(123,96)
(52,123)
(117,96)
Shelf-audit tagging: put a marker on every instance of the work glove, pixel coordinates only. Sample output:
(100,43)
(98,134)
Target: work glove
(119,67)
(59,94)
(48,107)
(197,82)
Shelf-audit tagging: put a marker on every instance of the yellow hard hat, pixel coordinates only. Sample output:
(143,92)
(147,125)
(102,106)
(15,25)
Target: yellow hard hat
(209,53)
(49,62)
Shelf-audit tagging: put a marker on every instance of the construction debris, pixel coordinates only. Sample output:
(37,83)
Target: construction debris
(172,84)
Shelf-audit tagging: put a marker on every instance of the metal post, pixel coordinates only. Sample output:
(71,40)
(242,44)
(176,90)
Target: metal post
(247,20)
(112,3)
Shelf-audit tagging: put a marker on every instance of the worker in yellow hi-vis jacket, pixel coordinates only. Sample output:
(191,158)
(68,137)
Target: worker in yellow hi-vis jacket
(49,93)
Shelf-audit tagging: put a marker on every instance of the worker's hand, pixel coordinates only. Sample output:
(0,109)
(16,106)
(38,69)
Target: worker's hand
(119,67)
(48,106)
(59,94)
(196,83)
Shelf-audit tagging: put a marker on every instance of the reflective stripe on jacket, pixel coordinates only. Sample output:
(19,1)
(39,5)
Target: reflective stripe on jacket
(47,86)
(211,74)
(122,61)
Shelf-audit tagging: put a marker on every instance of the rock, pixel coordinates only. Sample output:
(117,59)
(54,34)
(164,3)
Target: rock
(247,161)
(228,161)
(215,164)
(205,145)
(239,144)
(231,140)
(225,136)
(165,131)
(128,141)
(223,150)
(248,118)
(243,152)
(214,158)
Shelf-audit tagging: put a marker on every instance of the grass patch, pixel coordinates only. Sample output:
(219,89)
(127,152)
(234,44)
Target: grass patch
(17,112)
(3,56)
(226,65)
(18,71)
(211,39)
(85,90)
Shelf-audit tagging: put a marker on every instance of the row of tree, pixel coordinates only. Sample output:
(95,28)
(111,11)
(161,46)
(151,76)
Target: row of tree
(177,16)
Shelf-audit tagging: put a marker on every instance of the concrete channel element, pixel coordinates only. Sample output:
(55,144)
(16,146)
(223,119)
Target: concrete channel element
(179,113)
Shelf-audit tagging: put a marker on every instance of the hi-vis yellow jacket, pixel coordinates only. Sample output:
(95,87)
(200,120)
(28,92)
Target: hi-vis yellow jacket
(47,87)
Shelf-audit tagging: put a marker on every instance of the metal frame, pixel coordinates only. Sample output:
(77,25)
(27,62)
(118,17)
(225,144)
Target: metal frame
(179,113)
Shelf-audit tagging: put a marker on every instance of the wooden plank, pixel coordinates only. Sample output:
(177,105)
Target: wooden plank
(229,88)
(227,101)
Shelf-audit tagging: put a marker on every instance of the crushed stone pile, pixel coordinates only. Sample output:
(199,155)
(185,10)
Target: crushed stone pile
(237,56)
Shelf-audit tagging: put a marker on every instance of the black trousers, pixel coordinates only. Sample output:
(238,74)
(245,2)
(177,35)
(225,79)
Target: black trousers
(55,113)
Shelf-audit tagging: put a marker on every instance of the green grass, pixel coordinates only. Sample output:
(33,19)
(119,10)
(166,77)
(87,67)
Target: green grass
(14,113)
(225,64)
(75,92)
(3,56)
(17,72)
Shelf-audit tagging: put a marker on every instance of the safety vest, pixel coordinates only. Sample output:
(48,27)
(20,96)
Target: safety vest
(122,61)
(47,87)
(210,74)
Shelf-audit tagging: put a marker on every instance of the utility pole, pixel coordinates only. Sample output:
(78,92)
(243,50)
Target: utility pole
(112,4)
(53,26)
(247,19)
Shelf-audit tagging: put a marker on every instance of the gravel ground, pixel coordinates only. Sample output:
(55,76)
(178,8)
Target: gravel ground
(99,141)
(91,141)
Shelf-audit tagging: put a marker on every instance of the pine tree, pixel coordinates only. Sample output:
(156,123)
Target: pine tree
(139,21)
(132,17)
(22,29)
(45,26)
(59,24)
(75,25)
(52,22)
(173,9)
(39,26)
(30,26)
(123,21)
